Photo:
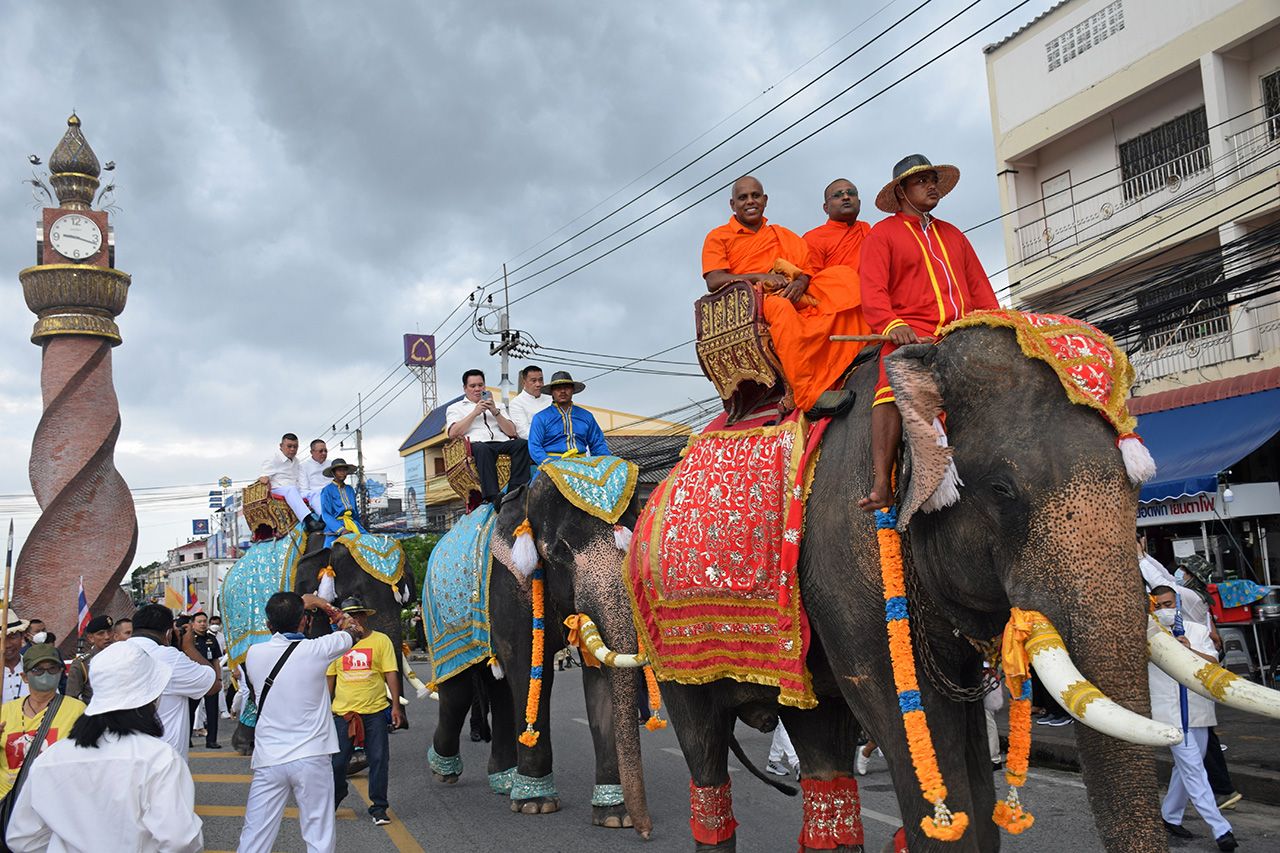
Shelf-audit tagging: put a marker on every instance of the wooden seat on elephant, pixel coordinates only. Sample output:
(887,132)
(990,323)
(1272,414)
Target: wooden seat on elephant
(460,471)
(268,517)
(735,349)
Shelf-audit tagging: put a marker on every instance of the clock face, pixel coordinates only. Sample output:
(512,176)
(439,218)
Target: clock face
(75,236)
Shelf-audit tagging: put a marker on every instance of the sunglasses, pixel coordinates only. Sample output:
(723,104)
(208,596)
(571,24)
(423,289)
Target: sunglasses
(47,670)
(842,193)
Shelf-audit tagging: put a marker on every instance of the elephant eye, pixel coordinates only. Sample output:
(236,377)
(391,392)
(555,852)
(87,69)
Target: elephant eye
(1004,489)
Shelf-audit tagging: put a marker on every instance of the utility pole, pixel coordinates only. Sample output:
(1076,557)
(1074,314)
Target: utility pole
(509,341)
(362,494)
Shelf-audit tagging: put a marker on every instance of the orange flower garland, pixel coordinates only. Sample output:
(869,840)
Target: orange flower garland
(529,737)
(1009,813)
(654,722)
(944,825)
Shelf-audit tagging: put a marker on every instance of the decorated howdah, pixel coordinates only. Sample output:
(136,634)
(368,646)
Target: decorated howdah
(455,595)
(735,349)
(712,565)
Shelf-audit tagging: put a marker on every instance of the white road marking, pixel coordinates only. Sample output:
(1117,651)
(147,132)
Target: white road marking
(733,768)
(580,720)
(1055,779)
(881,817)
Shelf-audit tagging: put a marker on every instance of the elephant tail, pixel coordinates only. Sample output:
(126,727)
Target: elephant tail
(789,790)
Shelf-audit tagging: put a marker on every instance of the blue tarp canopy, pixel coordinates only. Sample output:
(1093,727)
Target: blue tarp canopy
(1193,443)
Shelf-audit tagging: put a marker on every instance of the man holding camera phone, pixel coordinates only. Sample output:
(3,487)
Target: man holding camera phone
(482,420)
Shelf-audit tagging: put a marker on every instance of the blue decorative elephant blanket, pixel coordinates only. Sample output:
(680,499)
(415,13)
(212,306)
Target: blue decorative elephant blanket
(598,485)
(455,595)
(380,556)
(267,568)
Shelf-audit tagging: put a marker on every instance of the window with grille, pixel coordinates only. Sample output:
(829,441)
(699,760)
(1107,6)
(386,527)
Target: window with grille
(1187,317)
(1166,154)
(1271,103)
(1090,32)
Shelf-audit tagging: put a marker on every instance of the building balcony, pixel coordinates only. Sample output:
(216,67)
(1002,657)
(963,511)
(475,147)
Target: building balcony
(1086,213)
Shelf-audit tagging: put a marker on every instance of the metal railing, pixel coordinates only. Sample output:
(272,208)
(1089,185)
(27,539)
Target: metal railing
(1106,204)
(1183,355)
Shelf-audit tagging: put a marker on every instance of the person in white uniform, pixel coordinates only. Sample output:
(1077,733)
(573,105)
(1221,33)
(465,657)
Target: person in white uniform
(311,478)
(1189,780)
(112,785)
(284,474)
(295,735)
(191,676)
(529,401)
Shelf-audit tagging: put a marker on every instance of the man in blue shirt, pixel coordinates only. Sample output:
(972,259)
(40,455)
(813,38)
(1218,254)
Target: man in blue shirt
(564,429)
(337,500)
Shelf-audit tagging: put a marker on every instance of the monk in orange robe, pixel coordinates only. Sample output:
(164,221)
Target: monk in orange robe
(802,312)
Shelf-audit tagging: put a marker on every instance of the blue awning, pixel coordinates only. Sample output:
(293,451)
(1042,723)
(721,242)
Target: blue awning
(1193,443)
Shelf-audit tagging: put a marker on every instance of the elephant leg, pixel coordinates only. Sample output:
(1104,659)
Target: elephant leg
(533,788)
(444,756)
(607,807)
(704,726)
(825,739)
(502,749)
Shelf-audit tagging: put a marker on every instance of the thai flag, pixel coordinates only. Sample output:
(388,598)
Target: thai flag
(84,607)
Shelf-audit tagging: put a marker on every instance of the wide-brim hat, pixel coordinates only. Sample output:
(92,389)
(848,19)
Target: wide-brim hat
(125,677)
(337,463)
(948,177)
(16,623)
(354,605)
(562,377)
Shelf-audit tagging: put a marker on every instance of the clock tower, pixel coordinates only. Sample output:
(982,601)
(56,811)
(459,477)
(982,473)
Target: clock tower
(87,527)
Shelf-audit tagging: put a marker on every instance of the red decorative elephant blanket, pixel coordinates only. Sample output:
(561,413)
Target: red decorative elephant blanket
(712,566)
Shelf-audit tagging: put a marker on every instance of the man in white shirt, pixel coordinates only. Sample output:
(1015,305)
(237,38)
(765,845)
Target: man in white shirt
(311,478)
(283,474)
(1189,780)
(14,686)
(295,734)
(529,401)
(191,675)
(1154,575)
(478,418)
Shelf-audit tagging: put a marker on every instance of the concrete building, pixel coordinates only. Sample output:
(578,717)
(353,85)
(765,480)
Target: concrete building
(200,564)
(1138,156)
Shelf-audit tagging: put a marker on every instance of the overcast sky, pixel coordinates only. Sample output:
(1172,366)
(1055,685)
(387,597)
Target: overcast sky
(301,183)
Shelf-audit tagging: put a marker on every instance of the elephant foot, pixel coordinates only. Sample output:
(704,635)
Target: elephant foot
(611,817)
(536,805)
(729,845)
(445,779)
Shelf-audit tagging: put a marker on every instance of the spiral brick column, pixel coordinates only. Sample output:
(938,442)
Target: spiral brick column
(87,526)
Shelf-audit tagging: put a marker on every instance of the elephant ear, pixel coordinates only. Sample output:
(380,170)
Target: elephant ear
(929,479)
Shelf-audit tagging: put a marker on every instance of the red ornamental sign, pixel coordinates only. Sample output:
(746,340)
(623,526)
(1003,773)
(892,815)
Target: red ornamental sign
(419,350)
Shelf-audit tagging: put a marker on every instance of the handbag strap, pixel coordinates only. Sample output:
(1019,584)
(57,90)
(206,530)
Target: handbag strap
(271,678)
(50,711)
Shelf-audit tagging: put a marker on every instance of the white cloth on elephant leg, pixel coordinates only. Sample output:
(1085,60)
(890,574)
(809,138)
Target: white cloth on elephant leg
(311,781)
(781,748)
(1190,781)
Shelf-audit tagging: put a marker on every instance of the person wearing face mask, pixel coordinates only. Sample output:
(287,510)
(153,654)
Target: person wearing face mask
(1189,780)
(21,719)
(918,274)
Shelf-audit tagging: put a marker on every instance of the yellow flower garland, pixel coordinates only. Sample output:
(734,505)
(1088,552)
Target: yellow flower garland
(944,825)
(529,737)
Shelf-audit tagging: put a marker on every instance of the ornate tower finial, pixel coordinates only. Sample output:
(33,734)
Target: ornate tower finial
(74,168)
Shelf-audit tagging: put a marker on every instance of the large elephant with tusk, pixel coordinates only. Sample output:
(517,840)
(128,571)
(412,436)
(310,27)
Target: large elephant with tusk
(1039,520)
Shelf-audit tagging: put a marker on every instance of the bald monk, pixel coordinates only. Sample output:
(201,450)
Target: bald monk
(802,312)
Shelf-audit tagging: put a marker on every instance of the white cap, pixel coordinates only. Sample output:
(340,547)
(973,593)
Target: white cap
(124,677)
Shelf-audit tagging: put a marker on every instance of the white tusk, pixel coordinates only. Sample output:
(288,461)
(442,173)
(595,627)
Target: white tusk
(1085,702)
(595,644)
(1208,679)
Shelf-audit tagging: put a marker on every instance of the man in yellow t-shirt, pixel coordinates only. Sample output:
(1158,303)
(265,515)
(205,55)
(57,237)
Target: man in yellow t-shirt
(20,719)
(360,682)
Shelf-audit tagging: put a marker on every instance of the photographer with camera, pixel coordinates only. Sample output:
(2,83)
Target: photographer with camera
(191,676)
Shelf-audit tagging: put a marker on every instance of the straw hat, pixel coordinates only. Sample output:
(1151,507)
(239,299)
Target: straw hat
(124,677)
(562,377)
(354,605)
(337,463)
(948,177)
(16,623)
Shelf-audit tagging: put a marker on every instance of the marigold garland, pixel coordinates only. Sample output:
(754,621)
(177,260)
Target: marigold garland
(655,721)
(529,737)
(1009,813)
(944,825)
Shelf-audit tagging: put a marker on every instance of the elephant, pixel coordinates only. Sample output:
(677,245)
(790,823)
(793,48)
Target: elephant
(1044,521)
(610,705)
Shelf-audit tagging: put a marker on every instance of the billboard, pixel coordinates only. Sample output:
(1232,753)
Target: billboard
(420,350)
(199,527)
(376,487)
(415,483)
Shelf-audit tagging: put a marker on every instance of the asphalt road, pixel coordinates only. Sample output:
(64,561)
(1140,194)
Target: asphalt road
(467,817)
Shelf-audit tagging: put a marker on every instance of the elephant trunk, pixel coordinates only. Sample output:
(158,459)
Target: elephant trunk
(622,687)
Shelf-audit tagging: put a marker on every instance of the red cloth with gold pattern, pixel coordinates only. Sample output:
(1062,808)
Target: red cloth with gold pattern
(832,814)
(712,567)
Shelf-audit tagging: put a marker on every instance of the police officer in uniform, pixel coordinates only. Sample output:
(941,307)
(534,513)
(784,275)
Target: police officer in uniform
(98,635)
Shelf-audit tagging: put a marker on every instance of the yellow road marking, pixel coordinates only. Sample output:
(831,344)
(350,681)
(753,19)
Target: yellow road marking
(396,831)
(238,811)
(236,778)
